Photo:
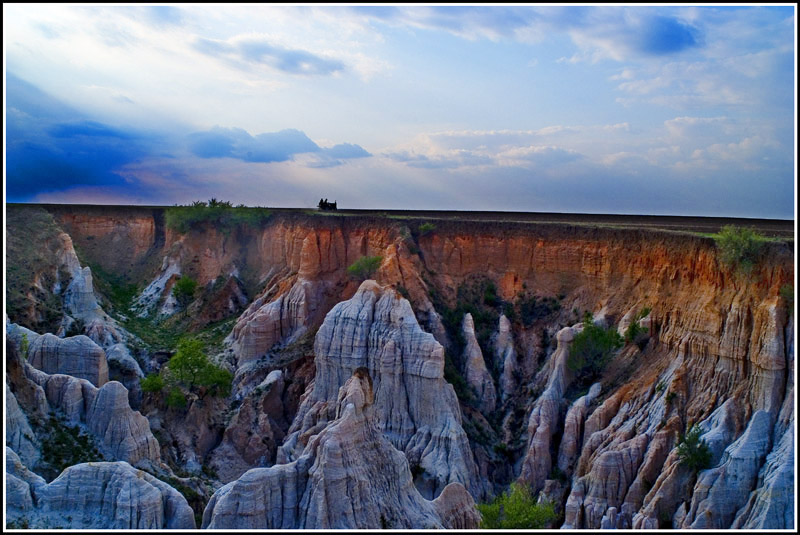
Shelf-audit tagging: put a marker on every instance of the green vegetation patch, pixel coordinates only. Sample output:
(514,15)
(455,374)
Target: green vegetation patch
(693,452)
(64,445)
(590,351)
(635,333)
(184,290)
(739,247)
(516,509)
(221,214)
(426,228)
(365,267)
(189,370)
(533,308)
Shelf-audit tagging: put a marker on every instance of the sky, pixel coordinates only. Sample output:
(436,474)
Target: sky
(663,110)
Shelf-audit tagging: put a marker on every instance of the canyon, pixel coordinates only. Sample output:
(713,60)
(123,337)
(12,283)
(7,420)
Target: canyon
(401,399)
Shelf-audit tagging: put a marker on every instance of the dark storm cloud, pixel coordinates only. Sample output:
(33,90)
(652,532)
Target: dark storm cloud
(51,147)
(237,143)
(268,147)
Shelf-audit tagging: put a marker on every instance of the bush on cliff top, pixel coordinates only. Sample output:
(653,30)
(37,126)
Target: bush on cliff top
(220,214)
(739,247)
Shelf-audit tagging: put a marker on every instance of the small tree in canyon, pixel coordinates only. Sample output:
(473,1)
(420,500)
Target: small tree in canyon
(183,290)
(189,369)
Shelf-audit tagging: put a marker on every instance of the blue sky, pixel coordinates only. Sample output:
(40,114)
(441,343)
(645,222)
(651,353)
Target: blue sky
(643,110)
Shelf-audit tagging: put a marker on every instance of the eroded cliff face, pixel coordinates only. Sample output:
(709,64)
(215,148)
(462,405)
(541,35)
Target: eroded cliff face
(718,352)
(349,476)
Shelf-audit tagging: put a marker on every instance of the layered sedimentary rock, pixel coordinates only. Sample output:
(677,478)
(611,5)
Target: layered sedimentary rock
(721,491)
(80,302)
(77,356)
(719,350)
(348,477)
(123,367)
(122,433)
(415,407)
(771,504)
(146,302)
(475,372)
(94,496)
(572,438)
(505,356)
(254,433)
(265,324)
(544,419)
(19,435)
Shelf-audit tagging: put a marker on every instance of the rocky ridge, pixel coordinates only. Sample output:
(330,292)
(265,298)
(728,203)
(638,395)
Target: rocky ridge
(376,329)
(349,476)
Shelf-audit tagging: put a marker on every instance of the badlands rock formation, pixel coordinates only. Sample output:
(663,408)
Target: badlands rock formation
(77,356)
(265,324)
(349,476)
(720,355)
(415,408)
(475,372)
(93,496)
(505,356)
(544,419)
(122,433)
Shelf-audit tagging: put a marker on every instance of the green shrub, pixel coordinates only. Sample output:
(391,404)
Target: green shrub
(176,398)
(65,445)
(191,367)
(591,349)
(426,228)
(739,247)
(490,295)
(453,376)
(152,383)
(416,470)
(183,290)
(24,345)
(365,267)
(635,332)
(219,380)
(188,369)
(221,214)
(557,474)
(693,452)
(516,509)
